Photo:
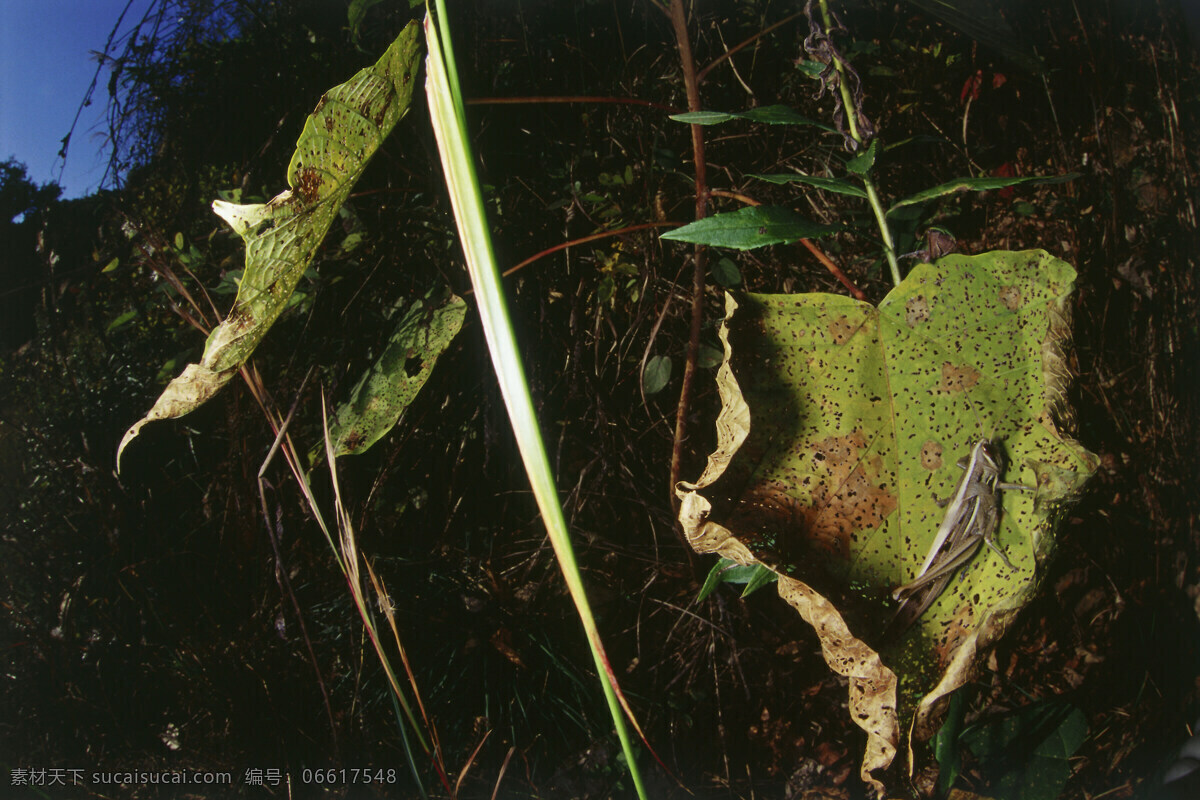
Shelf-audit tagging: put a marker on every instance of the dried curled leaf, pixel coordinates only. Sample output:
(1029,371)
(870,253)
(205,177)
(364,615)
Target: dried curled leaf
(339,138)
(840,427)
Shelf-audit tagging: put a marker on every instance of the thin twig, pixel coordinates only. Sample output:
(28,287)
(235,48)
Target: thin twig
(584,240)
(702,74)
(281,573)
(699,257)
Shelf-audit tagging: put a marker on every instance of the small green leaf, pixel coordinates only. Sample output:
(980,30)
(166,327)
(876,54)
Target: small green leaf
(761,577)
(726,273)
(351,242)
(714,578)
(1027,752)
(110,266)
(748,228)
(726,571)
(606,290)
(780,115)
(772,115)
(946,743)
(828,184)
(810,68)
(230,282)
(178,241)
(864,162)
(977,185)
(657,374)
(356,12)
(122,321)
(704,117)
(709,356)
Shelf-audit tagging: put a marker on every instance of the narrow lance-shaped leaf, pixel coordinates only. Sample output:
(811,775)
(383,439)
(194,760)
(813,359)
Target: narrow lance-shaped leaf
(748,228)
(281,236)
(828,184)
(772,115)
(976,185)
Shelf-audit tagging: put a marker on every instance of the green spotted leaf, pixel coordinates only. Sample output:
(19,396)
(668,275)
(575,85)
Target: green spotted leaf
(282,236)
(840,429)
(381,396)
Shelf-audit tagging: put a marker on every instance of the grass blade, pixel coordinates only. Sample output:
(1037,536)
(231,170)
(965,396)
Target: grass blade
(446,113)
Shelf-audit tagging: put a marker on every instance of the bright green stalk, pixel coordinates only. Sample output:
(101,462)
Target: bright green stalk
(446,112)
(885,233)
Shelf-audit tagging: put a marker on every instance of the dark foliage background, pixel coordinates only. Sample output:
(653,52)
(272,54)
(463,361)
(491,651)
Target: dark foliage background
(143,624)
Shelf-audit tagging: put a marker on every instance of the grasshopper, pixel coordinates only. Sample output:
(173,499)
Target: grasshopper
(972,515)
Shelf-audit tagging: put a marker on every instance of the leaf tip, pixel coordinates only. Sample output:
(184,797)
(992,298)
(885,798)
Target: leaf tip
(242,218)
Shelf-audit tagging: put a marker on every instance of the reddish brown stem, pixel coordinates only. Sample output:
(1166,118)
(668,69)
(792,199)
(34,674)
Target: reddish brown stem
(833,268)
(585,240)
(582,240)
(699,257)
(741,198)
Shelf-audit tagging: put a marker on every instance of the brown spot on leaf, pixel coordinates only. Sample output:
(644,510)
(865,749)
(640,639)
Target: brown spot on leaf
(1010,296)
(853,494)
(957,629)
(916,310)
(931,456)
(308,184)
(379,116)
(841,329)
(957,379)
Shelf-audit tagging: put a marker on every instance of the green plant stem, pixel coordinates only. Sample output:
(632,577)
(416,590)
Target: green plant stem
(885,233)
(847,99)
